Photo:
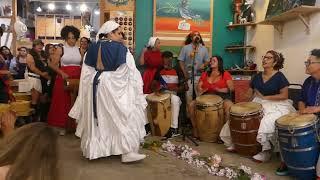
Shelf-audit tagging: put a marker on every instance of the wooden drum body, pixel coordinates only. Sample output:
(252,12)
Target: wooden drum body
(245,120)
(159,113)
(209,116)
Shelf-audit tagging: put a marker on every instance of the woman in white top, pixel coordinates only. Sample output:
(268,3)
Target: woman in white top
(69,69)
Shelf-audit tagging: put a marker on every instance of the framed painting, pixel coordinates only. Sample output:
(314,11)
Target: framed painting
(175,19)
(6,8)
(277,7)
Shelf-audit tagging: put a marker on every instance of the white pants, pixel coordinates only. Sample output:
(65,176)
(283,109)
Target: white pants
(175,107)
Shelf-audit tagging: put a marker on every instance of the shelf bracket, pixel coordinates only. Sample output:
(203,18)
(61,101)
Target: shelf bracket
(279,28)
(306,21)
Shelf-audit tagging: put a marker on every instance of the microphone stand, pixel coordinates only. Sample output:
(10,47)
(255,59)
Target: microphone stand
(184,134)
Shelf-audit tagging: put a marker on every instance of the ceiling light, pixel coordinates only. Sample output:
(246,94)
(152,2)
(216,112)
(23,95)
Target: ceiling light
(51,6)
(96,12)
(83,7)
(39,9)
(68,7)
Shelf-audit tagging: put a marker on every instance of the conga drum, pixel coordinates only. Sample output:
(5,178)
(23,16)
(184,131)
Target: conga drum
(159,113)
(245,120)
(298,140)
(209,116)
(26,96)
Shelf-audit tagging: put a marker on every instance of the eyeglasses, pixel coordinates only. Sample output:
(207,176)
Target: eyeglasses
(307,63)
(71,37)
(267,57)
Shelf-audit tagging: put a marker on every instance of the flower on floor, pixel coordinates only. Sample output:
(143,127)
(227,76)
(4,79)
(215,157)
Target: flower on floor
(212,163)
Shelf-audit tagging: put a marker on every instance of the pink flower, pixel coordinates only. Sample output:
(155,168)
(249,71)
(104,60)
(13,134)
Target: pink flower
(195,153)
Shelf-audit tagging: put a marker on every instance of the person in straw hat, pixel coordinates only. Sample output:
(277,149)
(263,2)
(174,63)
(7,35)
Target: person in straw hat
(110,107)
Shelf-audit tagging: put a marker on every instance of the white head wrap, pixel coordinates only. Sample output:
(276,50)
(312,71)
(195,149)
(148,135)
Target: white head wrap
(107,27)
(152,42)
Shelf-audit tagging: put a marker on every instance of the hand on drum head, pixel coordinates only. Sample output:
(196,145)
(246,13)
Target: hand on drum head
(310,110)
(7,121)
(157,93)
(222,90)
(258,94)
(201,90)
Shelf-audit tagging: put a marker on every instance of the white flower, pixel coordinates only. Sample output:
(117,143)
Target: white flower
(221,172)
(230,173)
(246,169)
(212,170)
(257,176)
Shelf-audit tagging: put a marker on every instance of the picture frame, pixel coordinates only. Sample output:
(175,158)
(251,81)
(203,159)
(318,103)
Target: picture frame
(173,20)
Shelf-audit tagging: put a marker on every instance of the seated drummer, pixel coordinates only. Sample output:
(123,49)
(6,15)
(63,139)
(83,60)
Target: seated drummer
(170,80)
(213,81)
(270,89)
(309,102)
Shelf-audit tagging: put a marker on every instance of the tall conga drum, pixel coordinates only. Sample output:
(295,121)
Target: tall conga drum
(209,116)
(159,113)
(298,139)
(245,120)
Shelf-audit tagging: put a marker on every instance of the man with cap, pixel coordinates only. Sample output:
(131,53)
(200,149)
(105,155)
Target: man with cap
(110,108)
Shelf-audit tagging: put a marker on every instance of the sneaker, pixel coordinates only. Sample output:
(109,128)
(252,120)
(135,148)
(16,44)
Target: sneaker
(231,149)
(262,156)
(282,170)
(172,132)
(132,157)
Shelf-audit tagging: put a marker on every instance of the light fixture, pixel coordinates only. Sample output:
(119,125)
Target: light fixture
(83,7)
(96,12)
(39,9)
(51,6)
(68,7)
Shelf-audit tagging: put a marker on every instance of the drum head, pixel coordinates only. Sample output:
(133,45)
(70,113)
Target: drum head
(154,98)
(4,108)
(296,120)
(245,108)
(209,99)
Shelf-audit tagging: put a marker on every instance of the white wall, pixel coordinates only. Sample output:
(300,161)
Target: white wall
(295,44)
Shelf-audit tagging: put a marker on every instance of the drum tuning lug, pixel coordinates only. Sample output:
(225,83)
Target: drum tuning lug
(243,126)
(294,142)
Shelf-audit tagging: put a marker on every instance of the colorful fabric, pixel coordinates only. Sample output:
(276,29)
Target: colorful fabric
(153,61)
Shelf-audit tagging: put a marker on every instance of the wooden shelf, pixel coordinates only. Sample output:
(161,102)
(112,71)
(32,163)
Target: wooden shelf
(233,48)
(301,12)
(241,25)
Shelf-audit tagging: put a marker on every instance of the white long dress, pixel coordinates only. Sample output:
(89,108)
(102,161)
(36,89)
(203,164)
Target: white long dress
(121,105)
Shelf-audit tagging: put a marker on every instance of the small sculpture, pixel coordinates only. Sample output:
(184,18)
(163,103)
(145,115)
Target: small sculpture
(248,13)
(237,10)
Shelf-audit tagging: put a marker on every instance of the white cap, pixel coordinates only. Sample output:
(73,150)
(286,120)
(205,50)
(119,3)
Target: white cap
(107,27)
(152,42)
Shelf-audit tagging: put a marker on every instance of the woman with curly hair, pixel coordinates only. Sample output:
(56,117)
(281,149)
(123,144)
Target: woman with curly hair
(29,153)
(270,89)
(66,67)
